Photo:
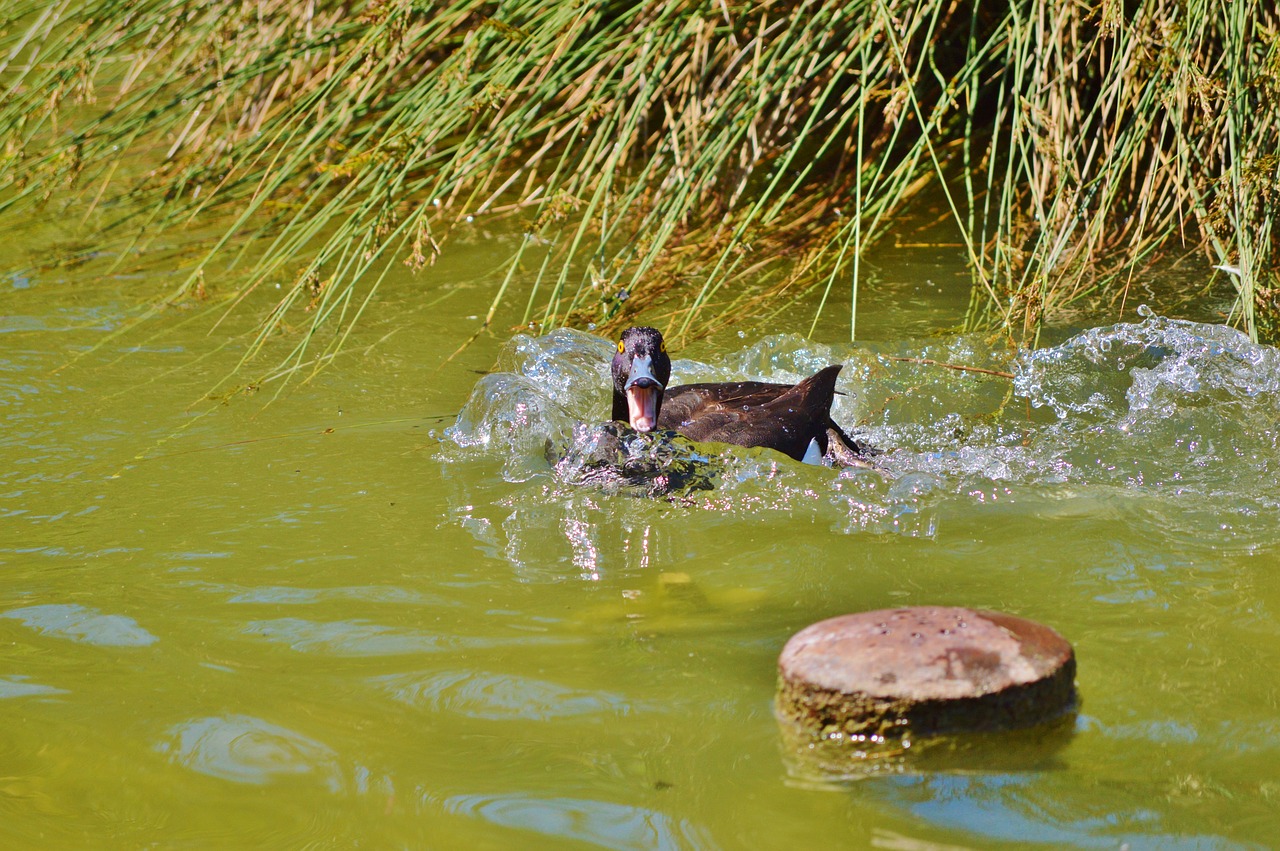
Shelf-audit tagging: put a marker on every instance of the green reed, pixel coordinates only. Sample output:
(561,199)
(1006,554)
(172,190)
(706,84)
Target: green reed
(695,161)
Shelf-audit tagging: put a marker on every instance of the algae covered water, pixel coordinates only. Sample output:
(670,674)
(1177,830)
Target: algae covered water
(378,610)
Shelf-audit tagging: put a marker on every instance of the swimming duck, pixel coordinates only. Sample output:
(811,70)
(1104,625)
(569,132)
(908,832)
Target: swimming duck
(794,419)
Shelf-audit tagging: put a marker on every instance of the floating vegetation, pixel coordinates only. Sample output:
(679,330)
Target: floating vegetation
(657,155)
(612,457)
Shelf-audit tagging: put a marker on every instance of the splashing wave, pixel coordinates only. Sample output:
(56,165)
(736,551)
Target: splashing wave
(1182,412)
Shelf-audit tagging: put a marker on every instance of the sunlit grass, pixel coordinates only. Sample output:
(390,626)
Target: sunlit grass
(655,153)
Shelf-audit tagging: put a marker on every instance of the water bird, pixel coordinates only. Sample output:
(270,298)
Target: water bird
(794,419)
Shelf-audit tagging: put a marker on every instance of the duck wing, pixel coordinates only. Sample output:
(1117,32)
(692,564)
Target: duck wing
(693,403)
(755,413)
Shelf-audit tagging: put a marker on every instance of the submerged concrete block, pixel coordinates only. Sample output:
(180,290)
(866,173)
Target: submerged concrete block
(921,671)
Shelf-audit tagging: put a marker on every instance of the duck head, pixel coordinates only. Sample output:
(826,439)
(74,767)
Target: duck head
(641,370)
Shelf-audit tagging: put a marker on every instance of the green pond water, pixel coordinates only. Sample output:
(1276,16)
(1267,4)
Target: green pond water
(371,614)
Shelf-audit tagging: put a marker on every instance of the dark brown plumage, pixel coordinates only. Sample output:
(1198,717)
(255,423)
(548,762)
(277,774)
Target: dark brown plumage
(794,419)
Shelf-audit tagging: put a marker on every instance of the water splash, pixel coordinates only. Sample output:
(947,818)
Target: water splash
(616,459)
(1160,405)
(1137,374)
(1176,420)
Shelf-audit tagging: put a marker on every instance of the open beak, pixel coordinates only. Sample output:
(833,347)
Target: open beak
(642,391)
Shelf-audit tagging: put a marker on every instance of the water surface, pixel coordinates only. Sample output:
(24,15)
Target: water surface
(373,612)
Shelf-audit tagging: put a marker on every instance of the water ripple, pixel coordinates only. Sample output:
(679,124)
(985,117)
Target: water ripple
(499,697)
(83,625)
(361,638)
(17,686)
(245,749)
(600,823)
(347,638)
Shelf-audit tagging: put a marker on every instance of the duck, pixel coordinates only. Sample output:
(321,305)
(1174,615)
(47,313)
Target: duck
(794,419)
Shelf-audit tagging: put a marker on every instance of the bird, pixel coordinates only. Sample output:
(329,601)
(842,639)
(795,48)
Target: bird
(794,419)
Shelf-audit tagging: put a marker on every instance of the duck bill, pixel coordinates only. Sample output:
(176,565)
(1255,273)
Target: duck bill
(643,392)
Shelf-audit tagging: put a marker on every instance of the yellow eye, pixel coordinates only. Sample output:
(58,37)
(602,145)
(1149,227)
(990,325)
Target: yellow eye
(662,347)
(622,347)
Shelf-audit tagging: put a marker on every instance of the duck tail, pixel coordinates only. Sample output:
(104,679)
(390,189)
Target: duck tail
(818,391)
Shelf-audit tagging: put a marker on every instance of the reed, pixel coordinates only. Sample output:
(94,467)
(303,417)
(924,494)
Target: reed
(660,155)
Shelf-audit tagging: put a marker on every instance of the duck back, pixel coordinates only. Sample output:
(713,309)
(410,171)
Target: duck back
(784,417)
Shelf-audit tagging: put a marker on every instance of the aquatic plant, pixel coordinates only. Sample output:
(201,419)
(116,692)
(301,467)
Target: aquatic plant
(659,155)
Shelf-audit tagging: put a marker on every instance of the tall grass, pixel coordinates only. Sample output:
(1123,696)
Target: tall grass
(658,155)
(1152,127)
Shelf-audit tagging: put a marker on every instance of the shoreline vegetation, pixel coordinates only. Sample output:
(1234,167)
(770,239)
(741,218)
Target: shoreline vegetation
(656,155)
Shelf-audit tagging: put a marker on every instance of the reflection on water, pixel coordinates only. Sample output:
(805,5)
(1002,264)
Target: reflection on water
(344,638)
(1000,808)
(597,823)
(248,750)
(477,694)
(20,687)
(77,623)
(284,595)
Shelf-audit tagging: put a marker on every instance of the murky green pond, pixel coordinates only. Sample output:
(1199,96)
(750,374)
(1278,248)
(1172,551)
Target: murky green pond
(354,617)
